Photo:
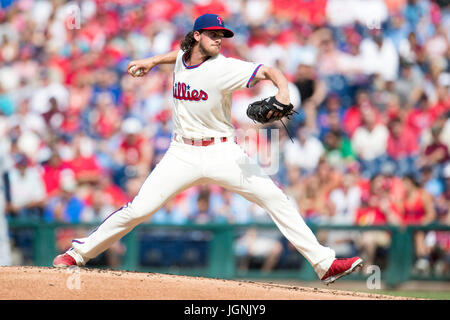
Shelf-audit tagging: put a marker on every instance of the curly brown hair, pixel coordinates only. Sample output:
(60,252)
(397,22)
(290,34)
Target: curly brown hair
(188,43)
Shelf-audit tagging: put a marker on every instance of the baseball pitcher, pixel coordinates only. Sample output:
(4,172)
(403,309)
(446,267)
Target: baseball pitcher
(203,150)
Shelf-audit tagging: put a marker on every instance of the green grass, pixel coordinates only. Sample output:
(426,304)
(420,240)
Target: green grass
(434,295)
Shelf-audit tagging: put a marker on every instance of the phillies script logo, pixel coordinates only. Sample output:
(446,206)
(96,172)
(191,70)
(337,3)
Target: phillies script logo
(220,21)
(181,91)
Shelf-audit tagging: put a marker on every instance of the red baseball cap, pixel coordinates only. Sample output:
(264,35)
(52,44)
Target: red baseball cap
(210,21)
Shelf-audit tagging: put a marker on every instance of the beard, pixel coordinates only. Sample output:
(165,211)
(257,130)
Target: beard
(209,51)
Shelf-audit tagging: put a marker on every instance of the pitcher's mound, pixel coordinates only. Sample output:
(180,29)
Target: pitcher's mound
(83,283)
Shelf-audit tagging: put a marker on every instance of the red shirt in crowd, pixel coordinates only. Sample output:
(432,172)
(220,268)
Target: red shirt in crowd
(396,188)
(213,6)
(312,12)
(163,9)
(404,146)
(440,108)
(418,120)
(133,149)
(370,216)
(85,168)
(414,211)
(353,119)
(51,174)
(432,148)
(106,123)
(71,123)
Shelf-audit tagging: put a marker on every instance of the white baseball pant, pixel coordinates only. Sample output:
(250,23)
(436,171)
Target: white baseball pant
(225,164)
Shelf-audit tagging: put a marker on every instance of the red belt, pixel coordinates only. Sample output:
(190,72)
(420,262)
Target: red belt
(202,142)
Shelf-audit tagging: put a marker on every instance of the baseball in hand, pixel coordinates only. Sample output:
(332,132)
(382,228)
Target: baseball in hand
(136,72)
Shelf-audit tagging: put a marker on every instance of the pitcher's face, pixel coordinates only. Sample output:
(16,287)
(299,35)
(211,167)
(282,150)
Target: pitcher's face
(210,42)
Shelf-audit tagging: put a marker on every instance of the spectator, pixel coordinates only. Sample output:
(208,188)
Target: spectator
(308,199)
(402,147)
(66,207)
(51,172)
(134,148)
(338,149)
(99,208)
(417,205)
(163,135)
(27,190)
(203,212)
(327,54)
(259,248)
(333,108)
(377,208)
(305,152)
(369,142)
(235,208)
(343,202)
(352,118)
(436,153)
(84,163)
(430,182)
(409,86)
(54,117)
(420,117)
(257,245)
(417,208)
(111,192)
(312,89)
(442,105)
(104,119)
(313,200)
(379,55)
(48,88)
(437,46)
(412,50)
(7,105)
(80,94)
(28,120)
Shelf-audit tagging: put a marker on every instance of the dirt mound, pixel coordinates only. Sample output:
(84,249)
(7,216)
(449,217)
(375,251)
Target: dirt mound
(33,283)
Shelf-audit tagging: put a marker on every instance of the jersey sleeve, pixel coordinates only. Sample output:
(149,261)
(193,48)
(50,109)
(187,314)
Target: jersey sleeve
(237,74)
(178,61)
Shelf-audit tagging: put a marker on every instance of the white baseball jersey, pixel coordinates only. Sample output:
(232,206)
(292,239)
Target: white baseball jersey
(202,95)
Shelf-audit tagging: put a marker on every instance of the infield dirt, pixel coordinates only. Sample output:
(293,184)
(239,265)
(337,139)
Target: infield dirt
(42,283)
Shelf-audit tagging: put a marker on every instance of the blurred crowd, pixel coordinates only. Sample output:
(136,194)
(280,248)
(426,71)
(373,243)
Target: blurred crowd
(370,145)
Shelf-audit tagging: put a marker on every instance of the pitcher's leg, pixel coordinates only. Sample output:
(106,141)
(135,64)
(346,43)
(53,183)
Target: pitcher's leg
(246,177)
(268,196)
(169,177)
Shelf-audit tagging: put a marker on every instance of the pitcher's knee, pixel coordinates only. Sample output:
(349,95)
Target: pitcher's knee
(138,212)
(272,196)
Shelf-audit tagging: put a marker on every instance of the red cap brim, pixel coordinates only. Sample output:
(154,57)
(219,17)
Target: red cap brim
(228,32)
